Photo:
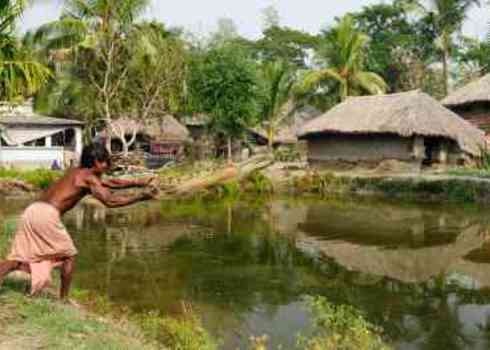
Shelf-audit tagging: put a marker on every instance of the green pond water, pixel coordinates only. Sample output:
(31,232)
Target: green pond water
(422,272)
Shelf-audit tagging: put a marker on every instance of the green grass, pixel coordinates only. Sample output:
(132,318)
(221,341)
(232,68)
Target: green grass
(44,323)
(409,188)
(39,178)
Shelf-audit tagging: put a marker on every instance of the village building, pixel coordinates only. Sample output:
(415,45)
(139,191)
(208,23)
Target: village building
(30,140)
(409,127)
(164,136)
(472,102)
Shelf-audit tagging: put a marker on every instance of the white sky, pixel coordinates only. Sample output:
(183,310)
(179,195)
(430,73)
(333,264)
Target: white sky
(201,15)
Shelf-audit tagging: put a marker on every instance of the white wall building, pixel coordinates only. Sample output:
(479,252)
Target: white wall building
(29,140)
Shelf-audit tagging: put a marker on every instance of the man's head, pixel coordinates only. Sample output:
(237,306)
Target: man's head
(96,157)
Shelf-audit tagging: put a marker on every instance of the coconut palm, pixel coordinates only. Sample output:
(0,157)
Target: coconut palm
(447,17)
(278,80)
(343,53)
(21,74)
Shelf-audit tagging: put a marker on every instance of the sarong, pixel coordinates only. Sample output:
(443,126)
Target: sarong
(41,243)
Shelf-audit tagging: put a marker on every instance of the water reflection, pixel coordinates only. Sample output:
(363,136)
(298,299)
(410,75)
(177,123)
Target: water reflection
(419,271)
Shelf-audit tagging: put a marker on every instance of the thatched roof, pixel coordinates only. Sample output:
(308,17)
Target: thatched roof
(166,128)
(476,91)
(405,114)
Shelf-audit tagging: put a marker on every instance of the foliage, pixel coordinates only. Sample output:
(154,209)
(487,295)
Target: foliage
(40,178)
(285,44)
(342,52)
(277,103)
(223,83)
(6,234)
(394,37)
(21,74)
(178,334)
(340,327)
(446,17)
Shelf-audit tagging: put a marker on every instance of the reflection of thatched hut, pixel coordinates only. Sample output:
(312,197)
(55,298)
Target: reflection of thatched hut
(410,127)
(472,102)
(403,264)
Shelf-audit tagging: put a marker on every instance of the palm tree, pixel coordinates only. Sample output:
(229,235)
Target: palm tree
(447,17)
(342,51)
(21,74)
(278,79)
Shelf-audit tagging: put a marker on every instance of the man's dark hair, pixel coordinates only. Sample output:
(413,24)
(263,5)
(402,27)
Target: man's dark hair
(91,153)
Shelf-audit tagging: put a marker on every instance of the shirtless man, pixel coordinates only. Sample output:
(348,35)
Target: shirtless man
(41,241)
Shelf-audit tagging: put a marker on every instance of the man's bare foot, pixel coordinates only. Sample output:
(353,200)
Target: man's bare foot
(71,302)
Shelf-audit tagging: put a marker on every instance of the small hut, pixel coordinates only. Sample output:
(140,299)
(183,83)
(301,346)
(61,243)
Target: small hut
(472,102)
(409,127)
(157,136)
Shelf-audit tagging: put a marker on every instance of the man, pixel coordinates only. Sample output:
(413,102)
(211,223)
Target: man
(41,241)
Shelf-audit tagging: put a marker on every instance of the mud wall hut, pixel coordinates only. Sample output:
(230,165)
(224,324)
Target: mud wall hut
(472,102)
(409,127)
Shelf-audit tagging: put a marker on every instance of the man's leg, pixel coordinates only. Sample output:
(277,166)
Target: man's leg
(6,267)
(66,276)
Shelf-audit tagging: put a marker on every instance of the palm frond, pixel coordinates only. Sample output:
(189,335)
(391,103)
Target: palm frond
(371,82)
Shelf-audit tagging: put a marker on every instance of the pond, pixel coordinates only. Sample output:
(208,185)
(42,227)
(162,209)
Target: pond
(422,272)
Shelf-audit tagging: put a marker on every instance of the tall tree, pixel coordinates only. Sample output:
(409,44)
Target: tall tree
(395,35)
(447,17)
(97,31)
(277,79)
(21,74)
(342,52)
(223,84)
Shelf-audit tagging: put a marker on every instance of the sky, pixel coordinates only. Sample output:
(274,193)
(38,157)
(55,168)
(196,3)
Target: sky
(200,16)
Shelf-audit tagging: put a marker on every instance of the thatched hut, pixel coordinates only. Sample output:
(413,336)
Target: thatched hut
(150,135)
(472,102)
(409,127)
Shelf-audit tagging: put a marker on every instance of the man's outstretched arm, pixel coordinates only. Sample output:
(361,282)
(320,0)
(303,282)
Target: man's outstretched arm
(125,183)
(111,200)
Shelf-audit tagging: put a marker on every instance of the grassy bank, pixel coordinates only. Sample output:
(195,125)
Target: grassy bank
(39,178)
(418,187)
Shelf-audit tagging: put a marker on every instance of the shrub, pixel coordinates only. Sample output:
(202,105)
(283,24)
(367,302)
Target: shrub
(340,327)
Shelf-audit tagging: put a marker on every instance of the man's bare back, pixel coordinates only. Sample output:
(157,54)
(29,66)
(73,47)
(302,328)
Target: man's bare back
(79,182)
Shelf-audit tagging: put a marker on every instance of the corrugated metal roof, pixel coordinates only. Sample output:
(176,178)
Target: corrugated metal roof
(24,115)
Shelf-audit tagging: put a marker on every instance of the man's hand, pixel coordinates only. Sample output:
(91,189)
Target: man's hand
(151,192)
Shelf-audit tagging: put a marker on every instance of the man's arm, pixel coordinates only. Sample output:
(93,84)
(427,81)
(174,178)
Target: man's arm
(111,200)
(124,183)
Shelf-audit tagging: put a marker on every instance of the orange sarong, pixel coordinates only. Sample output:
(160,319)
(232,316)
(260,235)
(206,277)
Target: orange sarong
(41,242)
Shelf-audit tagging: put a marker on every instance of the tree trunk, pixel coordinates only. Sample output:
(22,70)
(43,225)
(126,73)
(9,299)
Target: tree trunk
(445,71)
(270,137)
(125,146)
(108,144)
(230,160)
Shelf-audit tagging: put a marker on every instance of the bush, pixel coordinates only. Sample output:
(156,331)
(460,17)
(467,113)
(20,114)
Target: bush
(340,327)
(7,233)
(177,334)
